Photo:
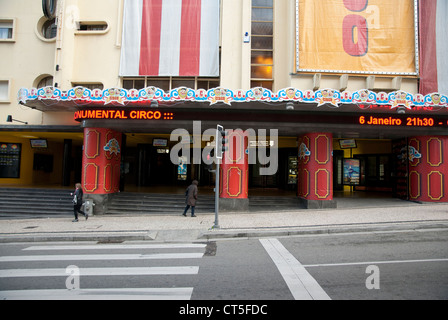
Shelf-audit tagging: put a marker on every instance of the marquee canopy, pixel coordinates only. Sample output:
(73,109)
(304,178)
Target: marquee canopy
(53,99)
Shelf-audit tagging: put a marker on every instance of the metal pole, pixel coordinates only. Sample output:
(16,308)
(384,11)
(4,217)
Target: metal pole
(216,225)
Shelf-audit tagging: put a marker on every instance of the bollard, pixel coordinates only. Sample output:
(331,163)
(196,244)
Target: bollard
(88,207)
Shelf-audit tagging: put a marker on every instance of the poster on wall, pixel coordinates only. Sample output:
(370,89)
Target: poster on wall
(10,160)
(292,170)
(182,169)
(351,172)
(357,36)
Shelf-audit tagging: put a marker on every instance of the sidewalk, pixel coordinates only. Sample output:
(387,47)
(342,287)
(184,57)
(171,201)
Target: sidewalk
(169,228)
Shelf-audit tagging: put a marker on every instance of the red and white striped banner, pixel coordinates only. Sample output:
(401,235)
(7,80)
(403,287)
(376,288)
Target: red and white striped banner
(170,38)
(433,46)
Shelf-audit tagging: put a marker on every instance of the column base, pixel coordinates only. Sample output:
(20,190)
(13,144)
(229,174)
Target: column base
(318,204)
(229,205)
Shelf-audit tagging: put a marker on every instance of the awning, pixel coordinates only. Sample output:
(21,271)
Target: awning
(79,98)
(290,110)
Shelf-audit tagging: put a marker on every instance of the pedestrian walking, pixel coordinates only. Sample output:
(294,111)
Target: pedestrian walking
(191,196)
(77,202)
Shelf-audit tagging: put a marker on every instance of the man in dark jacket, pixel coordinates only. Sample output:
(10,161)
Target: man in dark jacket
(77,202)
(191,196)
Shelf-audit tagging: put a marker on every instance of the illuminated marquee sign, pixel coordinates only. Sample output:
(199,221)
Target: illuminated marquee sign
(398,121)
(131,114)
(366,120)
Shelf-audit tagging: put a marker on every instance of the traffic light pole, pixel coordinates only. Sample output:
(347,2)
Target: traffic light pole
(216,225)
(219,140)
(220,148)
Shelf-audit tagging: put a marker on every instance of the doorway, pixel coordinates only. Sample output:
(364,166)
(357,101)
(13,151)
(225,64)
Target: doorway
(376,172)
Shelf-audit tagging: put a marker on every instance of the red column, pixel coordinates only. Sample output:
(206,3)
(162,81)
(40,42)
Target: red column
(315,176)
(101,161)
(428,168)
(234,173)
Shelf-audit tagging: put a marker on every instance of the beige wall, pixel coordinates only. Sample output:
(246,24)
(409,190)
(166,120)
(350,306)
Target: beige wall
(90,57)
(25,59)
(95,57)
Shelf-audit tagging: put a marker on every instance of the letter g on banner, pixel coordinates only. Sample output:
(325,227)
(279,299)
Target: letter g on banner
(356,5)
(355,25)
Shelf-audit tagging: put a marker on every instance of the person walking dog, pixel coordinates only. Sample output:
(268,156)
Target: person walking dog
(191,196)
(77,202)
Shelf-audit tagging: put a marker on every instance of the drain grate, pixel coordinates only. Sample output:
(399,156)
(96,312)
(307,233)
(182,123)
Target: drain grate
(31,227)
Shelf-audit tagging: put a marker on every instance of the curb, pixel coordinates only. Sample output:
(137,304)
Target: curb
(323,230)
(71,237)
(221,234)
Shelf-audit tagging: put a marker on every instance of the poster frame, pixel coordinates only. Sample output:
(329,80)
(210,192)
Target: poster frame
(416,48)
(344,172)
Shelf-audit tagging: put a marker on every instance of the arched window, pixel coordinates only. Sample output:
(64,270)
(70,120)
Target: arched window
(49,29)
(45,82)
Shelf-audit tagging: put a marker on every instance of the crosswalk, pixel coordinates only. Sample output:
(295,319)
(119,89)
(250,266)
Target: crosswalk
(113,261)
(301,284)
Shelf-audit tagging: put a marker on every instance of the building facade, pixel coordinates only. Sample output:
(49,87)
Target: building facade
(124,94)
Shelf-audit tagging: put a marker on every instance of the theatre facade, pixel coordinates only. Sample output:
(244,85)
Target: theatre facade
(300,122)
(315,141)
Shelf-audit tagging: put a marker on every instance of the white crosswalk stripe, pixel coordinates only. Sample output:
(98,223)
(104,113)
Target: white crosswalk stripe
(100,294)
(53,272)
(86,257)
(300,282)
(171,293)
(118,246)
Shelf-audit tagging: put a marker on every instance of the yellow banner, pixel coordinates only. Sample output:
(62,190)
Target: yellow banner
(369,36)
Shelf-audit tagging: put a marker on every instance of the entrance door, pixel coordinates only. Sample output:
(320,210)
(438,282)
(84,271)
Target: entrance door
(143,164)
(376,172)
(262,181)
(163,172)
(400,171)
(338,158)
(154,166)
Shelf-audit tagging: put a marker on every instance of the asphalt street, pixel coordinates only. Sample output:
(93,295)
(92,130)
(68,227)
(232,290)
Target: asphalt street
(385,265)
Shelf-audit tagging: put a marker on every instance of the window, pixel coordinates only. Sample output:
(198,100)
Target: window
(166,84)
(262,43)
(46,29)
(161,83)
(91,86)
(92,27)
(189,83)
(133,84)
(207,84)
(4,91)
(45,82)
(6,30)
(49,29)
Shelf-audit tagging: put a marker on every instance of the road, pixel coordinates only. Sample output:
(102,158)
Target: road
(358,266)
